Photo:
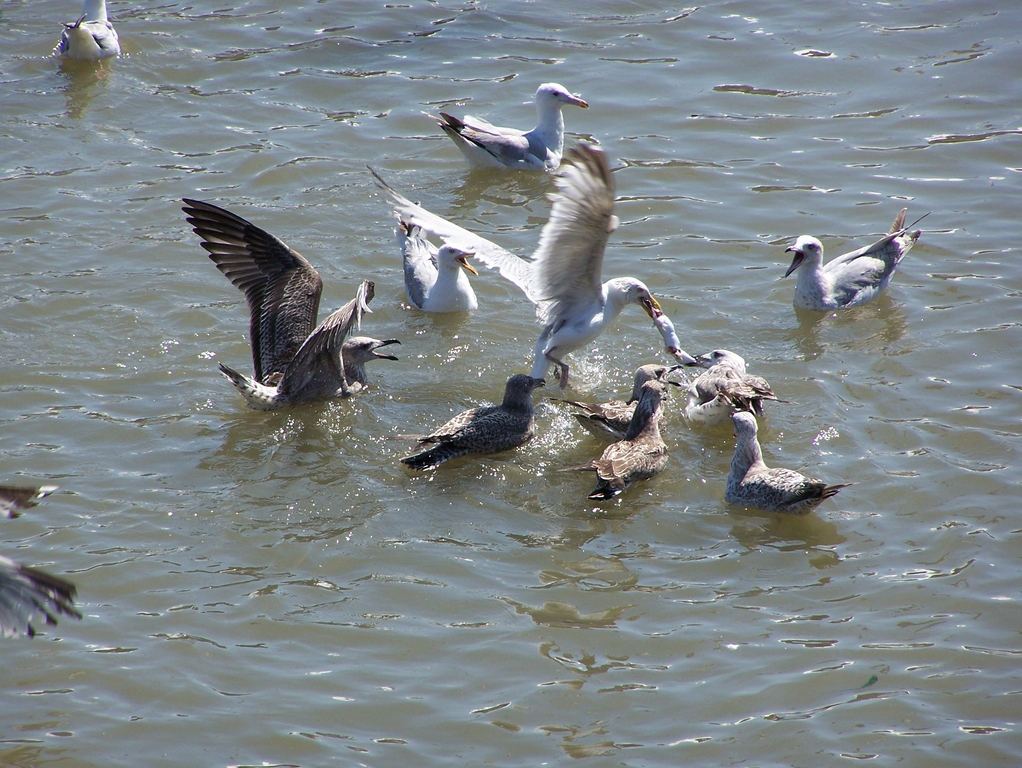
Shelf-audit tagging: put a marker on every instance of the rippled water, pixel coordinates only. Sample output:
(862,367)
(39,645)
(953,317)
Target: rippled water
(277,589)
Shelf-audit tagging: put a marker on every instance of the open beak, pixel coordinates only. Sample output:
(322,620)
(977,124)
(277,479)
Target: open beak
(652,307)
(796,260)
(384,343)
(463,260)
(540,382)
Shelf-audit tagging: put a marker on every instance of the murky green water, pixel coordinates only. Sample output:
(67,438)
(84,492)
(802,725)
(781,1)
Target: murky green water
(277,589)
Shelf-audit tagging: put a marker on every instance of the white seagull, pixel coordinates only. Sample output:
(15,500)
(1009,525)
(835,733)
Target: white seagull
(295,360)
(853,278)
(435,279)
(488,146)
(91,38)
(753,484)
(564,277)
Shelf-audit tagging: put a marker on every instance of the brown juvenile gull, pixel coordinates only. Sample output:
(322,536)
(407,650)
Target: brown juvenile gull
(91,38)
(724,388)
(435,278)
(640,455)
(851,279)
(28,594)
(295,360)
(752,483)
(488,146)
(564,277)
(609,421)
(487,429)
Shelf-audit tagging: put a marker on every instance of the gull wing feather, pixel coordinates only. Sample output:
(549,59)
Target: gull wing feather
(511,267)
(282,288)
(319,357)
(568,264)
(420,262)
(27,594)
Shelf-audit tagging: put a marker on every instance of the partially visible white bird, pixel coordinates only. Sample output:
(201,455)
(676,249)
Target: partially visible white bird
(724,388)
(435,279)
(752,483)
(564,278)
(853,278)
(488,146)
(91,38)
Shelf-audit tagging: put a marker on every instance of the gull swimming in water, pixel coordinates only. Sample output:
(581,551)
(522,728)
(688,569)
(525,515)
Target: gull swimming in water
(91,38)
(753,484)
(564,277)
(27,593)
(640,455)
(610,421)
(295,360)
(435,279)
(724,388)
(851,279)
(488,429)
(488,146)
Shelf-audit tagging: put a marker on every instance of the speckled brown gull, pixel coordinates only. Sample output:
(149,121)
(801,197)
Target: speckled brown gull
(483,430)
(752,483)
(29,594)
(609,421)
(91,38)
(489,146)
(851,279)
(564,279)
(640,455)
(435,278)
(724,388)
(295,361)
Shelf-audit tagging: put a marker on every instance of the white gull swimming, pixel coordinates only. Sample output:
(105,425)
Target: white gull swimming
(564,278)
(489,146)
(851,279)
(91,38)
(435,278)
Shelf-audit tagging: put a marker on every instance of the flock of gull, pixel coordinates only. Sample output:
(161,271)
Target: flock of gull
(297,359)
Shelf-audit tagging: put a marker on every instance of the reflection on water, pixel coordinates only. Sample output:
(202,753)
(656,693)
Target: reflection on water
(84,81)
(871,328)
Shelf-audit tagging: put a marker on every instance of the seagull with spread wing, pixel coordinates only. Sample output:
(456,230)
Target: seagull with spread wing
(295,360)
(564,278)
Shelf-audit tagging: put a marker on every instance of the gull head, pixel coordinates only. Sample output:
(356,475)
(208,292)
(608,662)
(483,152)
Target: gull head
(806,247)
(448,254)
(362,349)
(721,357)
(745,425)
(557,94)
(640,293)
(519,388)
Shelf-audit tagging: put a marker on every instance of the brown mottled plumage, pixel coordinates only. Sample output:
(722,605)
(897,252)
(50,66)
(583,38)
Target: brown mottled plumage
(724,388)
(640,455)
(28,593)
(295,360)
(487,429)
(753,484)
(609,421)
